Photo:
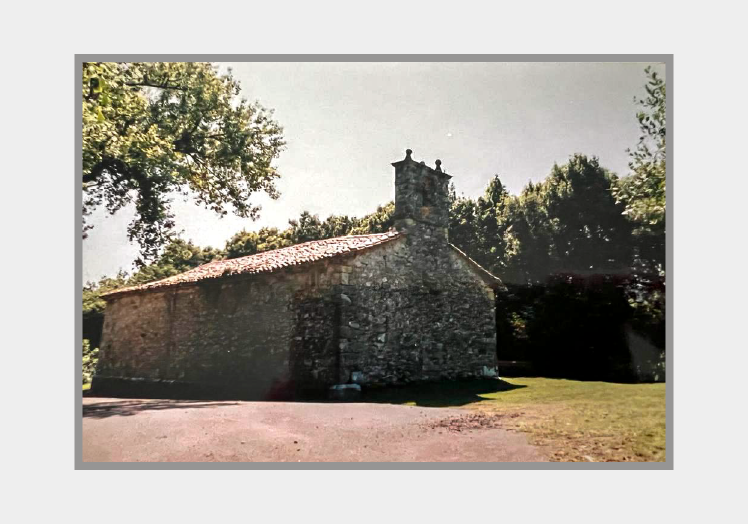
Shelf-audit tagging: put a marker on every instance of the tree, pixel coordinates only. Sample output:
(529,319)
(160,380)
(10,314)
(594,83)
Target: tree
(491,226)
(93,304)
(643,194)
(90,359)
(643,191)
(154,129)
(246,243)
(569,223)
(307,228)
(589,231)
(463,227)
(527,237)
(338,225)
(178,256)
(381,220)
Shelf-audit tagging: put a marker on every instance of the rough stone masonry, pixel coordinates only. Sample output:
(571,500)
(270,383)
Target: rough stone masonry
(368,310)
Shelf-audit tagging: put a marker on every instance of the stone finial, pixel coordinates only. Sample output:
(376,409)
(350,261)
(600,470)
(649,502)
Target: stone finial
(408,152)
(438,165)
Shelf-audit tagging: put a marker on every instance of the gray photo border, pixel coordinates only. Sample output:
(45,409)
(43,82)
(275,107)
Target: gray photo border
(666,59)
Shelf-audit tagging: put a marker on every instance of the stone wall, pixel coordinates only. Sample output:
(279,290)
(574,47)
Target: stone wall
(408,310)
(414,310)
(251,336)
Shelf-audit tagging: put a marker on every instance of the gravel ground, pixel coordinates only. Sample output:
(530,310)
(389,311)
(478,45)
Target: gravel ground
(124,430)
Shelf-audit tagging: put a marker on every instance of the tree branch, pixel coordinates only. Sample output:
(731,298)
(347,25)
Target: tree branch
(114,166)
(157,86)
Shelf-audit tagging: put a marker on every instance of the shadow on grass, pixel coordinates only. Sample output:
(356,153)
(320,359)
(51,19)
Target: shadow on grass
(127,408)
(439,394)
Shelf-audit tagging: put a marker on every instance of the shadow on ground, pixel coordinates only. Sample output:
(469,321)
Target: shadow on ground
(126,408)
(439,394)
(427,394)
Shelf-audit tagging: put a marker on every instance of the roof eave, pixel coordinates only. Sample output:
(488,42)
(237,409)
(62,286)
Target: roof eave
(488,278)
(153,287)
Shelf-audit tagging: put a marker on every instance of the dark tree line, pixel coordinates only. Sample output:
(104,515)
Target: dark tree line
(583,256)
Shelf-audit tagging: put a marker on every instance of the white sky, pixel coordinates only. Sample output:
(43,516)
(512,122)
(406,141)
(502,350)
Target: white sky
(344,123)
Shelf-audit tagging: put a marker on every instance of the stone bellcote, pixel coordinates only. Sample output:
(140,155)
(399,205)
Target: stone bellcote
(421,198)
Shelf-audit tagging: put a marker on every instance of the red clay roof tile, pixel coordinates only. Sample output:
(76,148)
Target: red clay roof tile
(269,261)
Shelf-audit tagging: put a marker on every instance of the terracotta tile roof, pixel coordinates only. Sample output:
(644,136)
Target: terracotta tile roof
(274,260)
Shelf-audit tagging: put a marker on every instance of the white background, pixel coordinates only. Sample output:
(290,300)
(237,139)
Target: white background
(709,207)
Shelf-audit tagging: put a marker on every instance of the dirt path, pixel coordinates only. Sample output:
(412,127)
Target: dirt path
(194,431)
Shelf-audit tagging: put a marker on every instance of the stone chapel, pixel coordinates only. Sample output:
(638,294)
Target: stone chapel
(348,312)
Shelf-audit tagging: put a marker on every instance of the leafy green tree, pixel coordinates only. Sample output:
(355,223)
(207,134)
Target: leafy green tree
(529,245)
(643,194)
(588,230)
(338,225)
(491,224)
(154,129)
(178,256)
(463,226)
(643,191)
(569,223)
(246,243)
(307,228)
(93,304)
(381,220)
(90,359)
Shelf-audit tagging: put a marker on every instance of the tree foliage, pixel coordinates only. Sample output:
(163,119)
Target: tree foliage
(643,191)
(93,304)
(381,220)
(246,243)
(306,228)
(569,222)
(90,359)
(154,129)
(178,256)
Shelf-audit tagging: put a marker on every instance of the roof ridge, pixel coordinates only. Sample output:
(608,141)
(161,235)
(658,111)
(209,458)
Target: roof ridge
(296,246)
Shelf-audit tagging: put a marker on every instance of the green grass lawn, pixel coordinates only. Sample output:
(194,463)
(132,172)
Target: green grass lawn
(572,420)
